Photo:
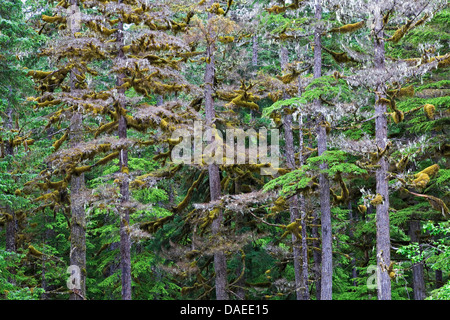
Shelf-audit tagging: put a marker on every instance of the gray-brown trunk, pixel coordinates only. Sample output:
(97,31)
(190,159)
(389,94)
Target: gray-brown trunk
(125,240)
(303,217)
(11,221)
(417,269)
(382,210)
(324,183)
(78,218)
(317,256)
(324,186)
(220,262)
(255,50)
(301,287)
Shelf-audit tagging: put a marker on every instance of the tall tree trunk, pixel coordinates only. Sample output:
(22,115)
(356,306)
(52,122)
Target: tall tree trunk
(78,219)
(255,50)
(220,262)
(417,269)
(293,201)
(303,214)
(11,221)
(317,256)
(301,198)
(382,210)
(439,279)
(350,234)
(324,183)
(125,240)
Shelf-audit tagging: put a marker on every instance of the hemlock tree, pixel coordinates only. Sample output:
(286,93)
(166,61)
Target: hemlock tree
(137,68)
(382,79)
(112,200)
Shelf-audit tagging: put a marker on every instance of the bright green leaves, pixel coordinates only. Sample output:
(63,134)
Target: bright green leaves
(281,104)
(290,183)
(327,88)
(303,179)
(337,161)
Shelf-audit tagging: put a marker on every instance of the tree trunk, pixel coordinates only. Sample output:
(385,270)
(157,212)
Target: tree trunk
(293,207)
(303,217)
(255,50)
(350,234)
(220,262)
(125,241)
(382,210)
(324,186)
(11,221)
(324,183)
(439,279)
(317,256)
(417,269)
(78,219)
(293,201)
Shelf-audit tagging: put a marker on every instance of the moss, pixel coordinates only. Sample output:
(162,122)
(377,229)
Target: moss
(339,57)
(226,39)
(106,127)
(429,110)
(34,252)
(398,116)
(79,170)
(401,165)
(431,170)
(107,159)
(57,144)
(362,208)
(377,200)
(421,180)
(183,204)
(348,27)
(343,197)
(276,9)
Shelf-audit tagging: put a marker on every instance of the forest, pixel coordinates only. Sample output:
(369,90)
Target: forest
(224,150)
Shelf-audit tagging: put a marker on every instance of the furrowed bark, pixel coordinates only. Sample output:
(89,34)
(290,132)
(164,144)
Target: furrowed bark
(293,201)
(11,223)
(417,269)
(255,50)
(220,262)
(125,240)
(382,210)
(303,215)
(78,219)
(324,183)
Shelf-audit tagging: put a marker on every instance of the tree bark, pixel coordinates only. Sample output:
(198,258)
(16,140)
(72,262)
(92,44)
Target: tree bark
(220,262)
(350,234)
(255,50)
(125,240)
(317,256)
(11,221)
(78,219)
(303,217)
(439,279)
(417,269)
(324,186)
(324,183)
(382,210)
(293,201)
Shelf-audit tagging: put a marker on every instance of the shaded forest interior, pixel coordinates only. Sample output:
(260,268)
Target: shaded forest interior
(224,150)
